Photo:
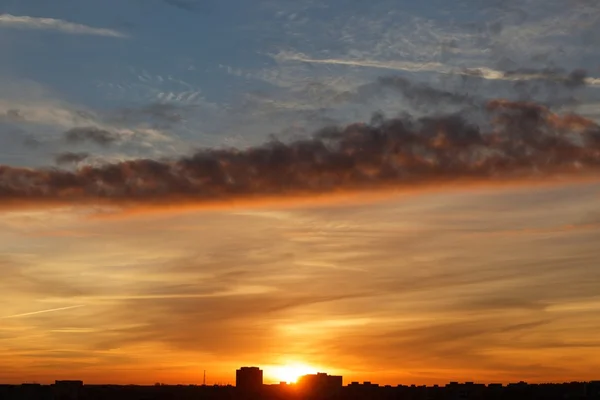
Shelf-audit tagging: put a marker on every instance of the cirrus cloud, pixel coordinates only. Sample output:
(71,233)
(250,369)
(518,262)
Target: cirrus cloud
(27,22)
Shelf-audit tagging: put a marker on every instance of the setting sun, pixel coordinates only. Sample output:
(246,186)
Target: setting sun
(291,372)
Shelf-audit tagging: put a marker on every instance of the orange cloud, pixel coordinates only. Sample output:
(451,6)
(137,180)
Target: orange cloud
(524,141)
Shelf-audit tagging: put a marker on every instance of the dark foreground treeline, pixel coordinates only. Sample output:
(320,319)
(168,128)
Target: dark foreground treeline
(520,391)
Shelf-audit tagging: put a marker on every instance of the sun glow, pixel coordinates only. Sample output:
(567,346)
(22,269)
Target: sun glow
(290,373)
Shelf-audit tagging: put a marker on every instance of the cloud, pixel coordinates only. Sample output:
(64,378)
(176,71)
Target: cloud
(243,323)
(21,278)
(419,95)
(455,314)
(26,22)
(366,286)
(219,298)
(518,140)
(26,101)
(70,158)
(41,312)
(575,78)
(161,112)
(393,65)
(49,122)
(90,133)
(12,115)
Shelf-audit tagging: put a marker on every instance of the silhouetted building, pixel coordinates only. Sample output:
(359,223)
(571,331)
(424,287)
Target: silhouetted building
(249,378)
(320,385)
(68,390)
(309,387)
(365,390)
(33,391)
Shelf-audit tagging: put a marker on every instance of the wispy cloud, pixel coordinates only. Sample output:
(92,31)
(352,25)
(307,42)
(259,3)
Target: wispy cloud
(392,65)
(41,312)
(413,66)
(368,285)
(36,122)
(27,22)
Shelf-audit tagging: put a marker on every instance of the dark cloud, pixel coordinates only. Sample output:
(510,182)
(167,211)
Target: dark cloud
(420,95)
(160,112)
(573,79)
(167,112)
(548,86)
(518,140)
(12,115)
(551,86)
(70,158)
(90,133)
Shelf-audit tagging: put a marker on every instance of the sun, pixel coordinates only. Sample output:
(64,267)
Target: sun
(290,373)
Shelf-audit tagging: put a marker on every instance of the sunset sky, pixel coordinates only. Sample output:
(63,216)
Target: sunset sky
(125,259)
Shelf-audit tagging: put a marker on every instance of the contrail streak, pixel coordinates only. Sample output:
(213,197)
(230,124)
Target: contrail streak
(410,66)
(41,312)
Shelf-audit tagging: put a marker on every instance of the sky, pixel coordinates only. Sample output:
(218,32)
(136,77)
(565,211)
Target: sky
(394,191)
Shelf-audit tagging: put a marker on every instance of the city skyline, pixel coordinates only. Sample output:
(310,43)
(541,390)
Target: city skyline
(248,376)
(314,387)
(388,191)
